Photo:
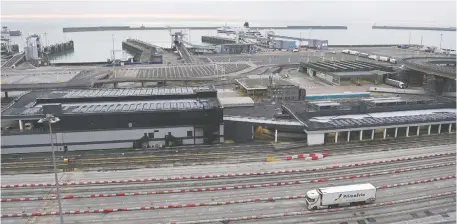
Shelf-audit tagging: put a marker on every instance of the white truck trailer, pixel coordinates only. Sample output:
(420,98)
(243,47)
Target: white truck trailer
(384,58)
(372,56)
(330,197)
(353,52)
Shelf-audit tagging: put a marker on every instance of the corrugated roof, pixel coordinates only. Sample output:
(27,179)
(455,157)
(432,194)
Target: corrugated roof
(132,106)
(384,118)
(90,93)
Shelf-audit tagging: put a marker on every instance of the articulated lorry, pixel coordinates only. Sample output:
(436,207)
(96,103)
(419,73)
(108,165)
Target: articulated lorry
(331,197)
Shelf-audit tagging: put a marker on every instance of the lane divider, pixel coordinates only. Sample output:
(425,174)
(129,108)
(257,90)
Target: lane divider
(324,211)
(123,194)
(229,175)
(156,207)
(312,156)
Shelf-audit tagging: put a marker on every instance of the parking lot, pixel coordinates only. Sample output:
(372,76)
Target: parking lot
(394,52)
(263,59)
(39,77)
(181,72)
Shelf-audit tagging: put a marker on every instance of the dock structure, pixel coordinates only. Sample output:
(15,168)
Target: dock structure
(144,52)
(15,60)
(312,43)
(112,28)
(217,40)
(414,28)
(59,48)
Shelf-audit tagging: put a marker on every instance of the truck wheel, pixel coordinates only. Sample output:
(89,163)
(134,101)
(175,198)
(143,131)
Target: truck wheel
(314,208)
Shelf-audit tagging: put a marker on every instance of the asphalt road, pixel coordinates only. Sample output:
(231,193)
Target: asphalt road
(415,169)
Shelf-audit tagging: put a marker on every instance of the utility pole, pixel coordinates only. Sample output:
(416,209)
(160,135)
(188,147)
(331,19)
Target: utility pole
(114,60)
(441,40)
(422,37)
(59,200)
(50,119)
(46,38)
(409,41)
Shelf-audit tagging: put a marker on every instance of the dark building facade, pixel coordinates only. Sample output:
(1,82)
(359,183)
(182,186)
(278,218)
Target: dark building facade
(115,118)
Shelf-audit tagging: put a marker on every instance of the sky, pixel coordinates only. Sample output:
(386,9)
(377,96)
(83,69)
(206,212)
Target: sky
(337,12)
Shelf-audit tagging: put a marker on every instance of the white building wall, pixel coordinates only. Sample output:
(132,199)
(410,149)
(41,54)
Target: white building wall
(316,139)
(221,132)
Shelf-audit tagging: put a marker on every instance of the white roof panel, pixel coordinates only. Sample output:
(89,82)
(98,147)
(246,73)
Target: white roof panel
(236,101)
(326,119)
(355,187)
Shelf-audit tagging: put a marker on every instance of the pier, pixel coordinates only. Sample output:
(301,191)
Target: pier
(121,28)
(59,48)
(414,28)
(144,52)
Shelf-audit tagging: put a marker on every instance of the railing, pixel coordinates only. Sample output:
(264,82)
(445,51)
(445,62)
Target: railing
(415,63)
(31,131)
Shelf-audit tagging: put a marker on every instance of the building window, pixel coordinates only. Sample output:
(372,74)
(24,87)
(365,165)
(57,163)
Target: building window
(169,133)
(189,133)
(151,135)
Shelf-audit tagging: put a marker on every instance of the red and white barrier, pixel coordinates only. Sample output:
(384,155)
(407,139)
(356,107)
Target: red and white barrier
(312,156)
(171,206)
(278,184)
(229,175)
(278,215)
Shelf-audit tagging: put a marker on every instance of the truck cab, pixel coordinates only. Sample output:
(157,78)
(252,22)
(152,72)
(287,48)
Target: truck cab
(313,199)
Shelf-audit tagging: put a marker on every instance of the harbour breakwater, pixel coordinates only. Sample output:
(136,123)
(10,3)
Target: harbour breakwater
(123,28)
(414,28)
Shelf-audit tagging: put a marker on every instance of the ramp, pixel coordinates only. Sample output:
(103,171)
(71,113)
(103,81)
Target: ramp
(16,59)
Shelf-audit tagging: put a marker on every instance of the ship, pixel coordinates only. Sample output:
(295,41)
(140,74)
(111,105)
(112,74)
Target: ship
(245,30)
(12,33)
(226,30)
(7,48)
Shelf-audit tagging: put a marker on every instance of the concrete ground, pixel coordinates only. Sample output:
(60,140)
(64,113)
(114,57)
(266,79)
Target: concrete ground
(233,202)
(394,52)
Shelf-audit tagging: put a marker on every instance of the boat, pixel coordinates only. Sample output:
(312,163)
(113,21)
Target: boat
(14,33)
(253,32)
(7,48)
(5,34)
(226,29)
(240,30)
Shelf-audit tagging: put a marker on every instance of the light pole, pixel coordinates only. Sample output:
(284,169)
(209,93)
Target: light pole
(114,60)
(50,119)
(441,40)
(409,41)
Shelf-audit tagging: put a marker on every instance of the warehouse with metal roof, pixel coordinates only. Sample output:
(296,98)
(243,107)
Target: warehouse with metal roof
(113,118)
(373,118)
(335,72)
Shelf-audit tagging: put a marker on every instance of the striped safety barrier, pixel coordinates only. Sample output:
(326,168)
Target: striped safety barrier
(172,206)
(229,175)
(311,156)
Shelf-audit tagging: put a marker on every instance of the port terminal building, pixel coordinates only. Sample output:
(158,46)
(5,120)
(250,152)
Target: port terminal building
(338,72)
(113,118)
(157,117)
(334,121)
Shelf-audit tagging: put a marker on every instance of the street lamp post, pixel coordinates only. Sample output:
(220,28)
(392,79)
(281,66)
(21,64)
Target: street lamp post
(441,40)
(50,119)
